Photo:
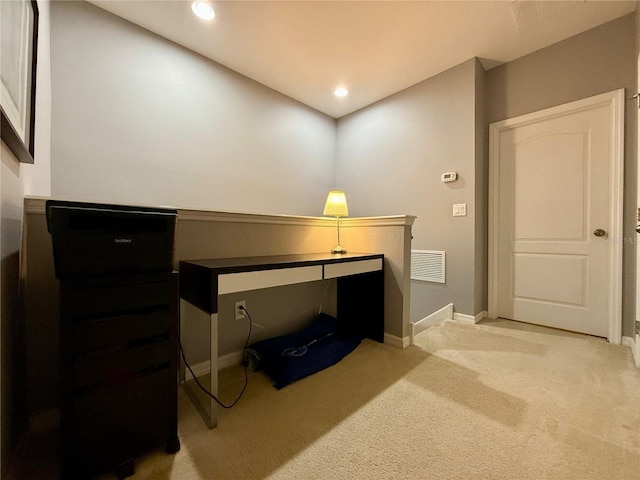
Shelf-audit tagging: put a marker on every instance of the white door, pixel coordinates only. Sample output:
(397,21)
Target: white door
(556,202)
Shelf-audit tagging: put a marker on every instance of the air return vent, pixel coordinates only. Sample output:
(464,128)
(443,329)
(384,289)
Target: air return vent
(427,265)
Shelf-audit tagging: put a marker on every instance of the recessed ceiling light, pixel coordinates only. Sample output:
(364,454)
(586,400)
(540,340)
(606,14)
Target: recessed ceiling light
(203,10)
(340,92)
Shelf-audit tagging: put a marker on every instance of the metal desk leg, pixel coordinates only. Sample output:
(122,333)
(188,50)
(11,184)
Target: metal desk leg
(213,371)
(207,407)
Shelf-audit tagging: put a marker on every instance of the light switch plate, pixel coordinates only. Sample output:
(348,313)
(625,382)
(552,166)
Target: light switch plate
(459,209)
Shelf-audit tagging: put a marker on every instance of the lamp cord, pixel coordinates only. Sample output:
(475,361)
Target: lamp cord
(246,377)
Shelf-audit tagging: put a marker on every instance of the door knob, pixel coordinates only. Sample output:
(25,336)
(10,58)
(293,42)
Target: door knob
(598,232)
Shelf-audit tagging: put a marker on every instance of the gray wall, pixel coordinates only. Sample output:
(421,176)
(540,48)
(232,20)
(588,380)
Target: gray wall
(16,180)
(390,156)
(12,333)
(597,61)
(139,119)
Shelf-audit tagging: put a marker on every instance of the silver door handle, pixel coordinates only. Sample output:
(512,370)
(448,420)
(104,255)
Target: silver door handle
(598,232)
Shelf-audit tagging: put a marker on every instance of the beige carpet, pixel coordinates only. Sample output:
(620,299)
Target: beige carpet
(499,400)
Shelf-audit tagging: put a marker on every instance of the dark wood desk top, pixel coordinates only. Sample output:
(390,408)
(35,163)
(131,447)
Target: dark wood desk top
(269,262)
(199,278)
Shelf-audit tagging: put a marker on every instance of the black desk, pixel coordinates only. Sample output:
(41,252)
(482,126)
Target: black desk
(360,278)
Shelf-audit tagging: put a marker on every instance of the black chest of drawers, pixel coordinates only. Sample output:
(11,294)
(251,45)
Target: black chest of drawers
(118,371)
(118,333)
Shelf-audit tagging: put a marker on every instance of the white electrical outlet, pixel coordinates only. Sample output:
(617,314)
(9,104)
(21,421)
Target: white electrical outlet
(240,315)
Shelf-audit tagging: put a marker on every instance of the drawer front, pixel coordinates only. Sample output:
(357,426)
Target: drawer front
(112,425)
(113,299)
(120,366)
(243,281)
(78,264)
(119,332)
(334,270)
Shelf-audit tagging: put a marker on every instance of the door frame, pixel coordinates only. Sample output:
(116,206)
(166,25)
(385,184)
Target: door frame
(636,333)
(615,101)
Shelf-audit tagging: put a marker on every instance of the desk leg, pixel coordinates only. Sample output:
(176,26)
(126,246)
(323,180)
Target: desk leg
(361,301)
(206,406)
(213,371)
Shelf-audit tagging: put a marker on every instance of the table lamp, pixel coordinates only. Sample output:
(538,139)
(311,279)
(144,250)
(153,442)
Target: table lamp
(336,206)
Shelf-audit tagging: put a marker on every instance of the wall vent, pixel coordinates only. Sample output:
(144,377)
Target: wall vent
(427,265)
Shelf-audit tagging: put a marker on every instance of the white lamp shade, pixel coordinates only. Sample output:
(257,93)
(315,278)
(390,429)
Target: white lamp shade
(336,205)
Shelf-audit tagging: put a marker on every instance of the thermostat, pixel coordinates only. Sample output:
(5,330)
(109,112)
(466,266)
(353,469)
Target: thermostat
(449,177)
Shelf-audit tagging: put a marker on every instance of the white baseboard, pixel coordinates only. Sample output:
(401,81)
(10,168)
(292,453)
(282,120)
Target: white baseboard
(235,358)
(634,345)
(398,342)
(199,369)
(202,368)
(445,313)
(472,319)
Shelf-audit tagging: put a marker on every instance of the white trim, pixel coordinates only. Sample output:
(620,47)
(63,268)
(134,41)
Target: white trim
(617,213)
(235,358)
(493,229)
(628,342)
(238,217)
(202,368)
(199,369)
(463,318)
(615,99)
(472,319)
(636,325)
(386,221)
(230,359)
(634,345)
(395,341)
(445,313)
(33,204)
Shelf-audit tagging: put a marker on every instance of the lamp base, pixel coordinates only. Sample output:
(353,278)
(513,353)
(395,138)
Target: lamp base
(338,249)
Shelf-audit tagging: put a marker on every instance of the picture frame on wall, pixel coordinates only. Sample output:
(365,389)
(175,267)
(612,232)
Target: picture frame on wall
(18,54)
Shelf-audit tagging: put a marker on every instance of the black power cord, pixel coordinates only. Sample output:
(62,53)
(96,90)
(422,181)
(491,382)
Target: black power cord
(246,378)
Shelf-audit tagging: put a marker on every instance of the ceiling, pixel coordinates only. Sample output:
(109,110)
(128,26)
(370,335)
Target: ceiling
(305,49)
